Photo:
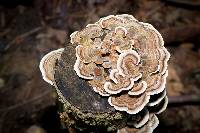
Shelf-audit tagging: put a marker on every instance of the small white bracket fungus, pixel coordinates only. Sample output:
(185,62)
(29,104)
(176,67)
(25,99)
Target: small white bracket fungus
(102,20)
(47,65)
(157,70)
(160,107)
(78,71)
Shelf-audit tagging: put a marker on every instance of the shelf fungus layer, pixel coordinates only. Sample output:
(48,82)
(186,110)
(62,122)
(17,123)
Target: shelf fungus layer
(124,61)
(47,65)
(148,128)
(118,54)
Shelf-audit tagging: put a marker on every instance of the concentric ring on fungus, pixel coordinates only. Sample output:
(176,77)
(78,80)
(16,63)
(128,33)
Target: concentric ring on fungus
(123,59)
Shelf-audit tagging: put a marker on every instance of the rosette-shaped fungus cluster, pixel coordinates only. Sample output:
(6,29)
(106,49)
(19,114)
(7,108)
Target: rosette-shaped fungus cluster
(123,59)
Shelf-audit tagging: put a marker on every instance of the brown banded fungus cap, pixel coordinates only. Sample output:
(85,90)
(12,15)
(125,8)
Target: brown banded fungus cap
(47,65)
(124,59)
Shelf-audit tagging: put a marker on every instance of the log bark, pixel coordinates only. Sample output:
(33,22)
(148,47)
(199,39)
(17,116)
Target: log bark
(81,107)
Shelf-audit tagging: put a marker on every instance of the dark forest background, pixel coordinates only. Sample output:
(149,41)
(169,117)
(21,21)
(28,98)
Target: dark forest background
(31,28)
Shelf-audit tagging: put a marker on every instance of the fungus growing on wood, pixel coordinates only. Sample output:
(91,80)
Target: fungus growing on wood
(124,61)
(130,104)
(156,99)
(47,65)
(143,117)
(160,107)
(138,88)
(131,56)
(148,128)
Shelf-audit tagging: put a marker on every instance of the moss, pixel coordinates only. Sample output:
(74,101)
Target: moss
(72,116)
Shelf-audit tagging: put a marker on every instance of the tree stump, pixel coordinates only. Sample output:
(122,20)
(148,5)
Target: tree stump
(80,106)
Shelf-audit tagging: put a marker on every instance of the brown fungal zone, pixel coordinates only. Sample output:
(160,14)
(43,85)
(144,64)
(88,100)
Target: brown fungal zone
(151,124)
(124,59)
(47,65)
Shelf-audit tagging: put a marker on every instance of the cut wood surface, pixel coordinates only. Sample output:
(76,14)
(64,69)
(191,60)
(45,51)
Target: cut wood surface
(80,101)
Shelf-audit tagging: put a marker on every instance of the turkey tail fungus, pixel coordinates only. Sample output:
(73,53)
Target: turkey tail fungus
(110,77)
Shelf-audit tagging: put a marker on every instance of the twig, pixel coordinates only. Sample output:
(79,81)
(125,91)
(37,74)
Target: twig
(23,36)
(38,97)
(175,101)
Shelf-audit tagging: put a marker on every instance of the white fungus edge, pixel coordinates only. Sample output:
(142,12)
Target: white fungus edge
(162,86)
(158,100)
(102,94)
(122,55)
(108,84)
(72,36)
(153,125)
(143,121)
(122,16)
(165,60)
(112,75)
(135,111)
(103,19)
(41,65)
(151,27)
(76,66)
(144,87)
(164,106)
(123,28)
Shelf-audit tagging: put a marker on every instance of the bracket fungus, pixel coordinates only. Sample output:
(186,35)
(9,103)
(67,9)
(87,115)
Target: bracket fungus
(47,65)
(123,60)
(151,124)
(135,58)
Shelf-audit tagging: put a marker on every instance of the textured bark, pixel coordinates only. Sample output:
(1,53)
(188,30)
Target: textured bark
(81,107)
